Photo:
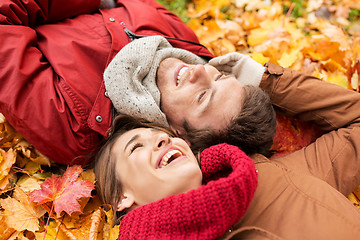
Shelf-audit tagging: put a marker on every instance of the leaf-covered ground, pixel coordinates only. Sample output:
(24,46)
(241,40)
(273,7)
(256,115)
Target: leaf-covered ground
(319,37)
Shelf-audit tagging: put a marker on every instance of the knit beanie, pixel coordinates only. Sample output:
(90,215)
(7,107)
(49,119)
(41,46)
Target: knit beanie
(130,78)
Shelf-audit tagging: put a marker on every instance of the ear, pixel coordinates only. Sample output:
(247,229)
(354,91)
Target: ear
(126,201)
(180,132)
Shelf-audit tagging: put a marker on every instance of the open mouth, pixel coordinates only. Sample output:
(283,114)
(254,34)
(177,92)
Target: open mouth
(181,72)
(169,157)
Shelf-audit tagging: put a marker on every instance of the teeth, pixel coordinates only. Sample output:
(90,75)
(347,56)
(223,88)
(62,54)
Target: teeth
(181,72)
(166,157)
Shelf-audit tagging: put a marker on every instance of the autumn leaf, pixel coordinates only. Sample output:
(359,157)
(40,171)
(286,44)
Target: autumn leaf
(21,214)
(293,134)
(63,191)
(5,231)
(109,232)
(7,159)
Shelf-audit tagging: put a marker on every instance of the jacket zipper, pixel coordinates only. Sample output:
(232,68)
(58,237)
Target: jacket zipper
(134,36)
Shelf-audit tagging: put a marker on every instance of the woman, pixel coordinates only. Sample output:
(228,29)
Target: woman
(142,169)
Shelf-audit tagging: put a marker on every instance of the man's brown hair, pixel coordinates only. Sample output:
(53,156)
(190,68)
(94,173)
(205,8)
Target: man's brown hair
(252,130)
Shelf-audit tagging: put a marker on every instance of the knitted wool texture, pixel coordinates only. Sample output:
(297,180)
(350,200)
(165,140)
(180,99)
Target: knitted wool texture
(130,78)
(246,70)
(204,213)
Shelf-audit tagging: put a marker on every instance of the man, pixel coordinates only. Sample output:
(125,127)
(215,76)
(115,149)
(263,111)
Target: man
(54,54)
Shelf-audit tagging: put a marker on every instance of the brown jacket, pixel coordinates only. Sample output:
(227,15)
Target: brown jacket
(302,195)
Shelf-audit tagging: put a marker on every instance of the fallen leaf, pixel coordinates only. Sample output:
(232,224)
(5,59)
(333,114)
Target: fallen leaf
(5,231)
(109,232)
(21,214)
(63,191)
(7,160)
(29,183)
(260,58)
(288,59)
(293,134)
(95,223)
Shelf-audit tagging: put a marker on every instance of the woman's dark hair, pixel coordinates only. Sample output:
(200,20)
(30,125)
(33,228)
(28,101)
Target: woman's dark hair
(252,130)
(108,184)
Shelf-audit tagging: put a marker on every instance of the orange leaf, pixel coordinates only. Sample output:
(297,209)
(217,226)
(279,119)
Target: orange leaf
(21,213)
(293,134)
(63,191)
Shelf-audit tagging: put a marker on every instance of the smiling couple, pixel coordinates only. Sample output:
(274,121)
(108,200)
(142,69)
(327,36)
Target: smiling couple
(162,191)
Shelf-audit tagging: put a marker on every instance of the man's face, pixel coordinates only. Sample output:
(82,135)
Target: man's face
(198,94)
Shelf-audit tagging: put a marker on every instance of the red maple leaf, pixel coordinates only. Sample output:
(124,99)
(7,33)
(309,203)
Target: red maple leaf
(63,191)
(293,134)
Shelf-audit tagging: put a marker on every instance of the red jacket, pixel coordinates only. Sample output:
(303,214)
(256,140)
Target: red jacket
(53,55)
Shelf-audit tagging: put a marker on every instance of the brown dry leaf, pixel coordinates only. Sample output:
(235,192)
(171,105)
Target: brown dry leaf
(8,136)
(32,153)
(21,214)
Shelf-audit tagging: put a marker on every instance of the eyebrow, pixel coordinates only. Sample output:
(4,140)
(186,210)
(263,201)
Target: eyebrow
(131,140)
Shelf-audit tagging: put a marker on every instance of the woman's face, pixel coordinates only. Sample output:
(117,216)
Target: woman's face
(152,165)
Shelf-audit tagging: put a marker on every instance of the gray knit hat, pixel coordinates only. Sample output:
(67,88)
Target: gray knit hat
(130,78)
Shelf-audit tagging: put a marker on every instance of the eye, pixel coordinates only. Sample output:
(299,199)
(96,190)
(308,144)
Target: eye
(133,148)
(201,95)
(219,76)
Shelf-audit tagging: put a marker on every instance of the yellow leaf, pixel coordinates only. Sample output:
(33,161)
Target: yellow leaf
(52,232)
(257,36)
(29,183)
(77,227)
(260,58)
(88,174)
(109,232)
(23,214)
(356,192)
(338,79)
(354,200)
(287,59)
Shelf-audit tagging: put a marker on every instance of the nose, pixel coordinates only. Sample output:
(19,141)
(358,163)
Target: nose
(199,74)
(162,140)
